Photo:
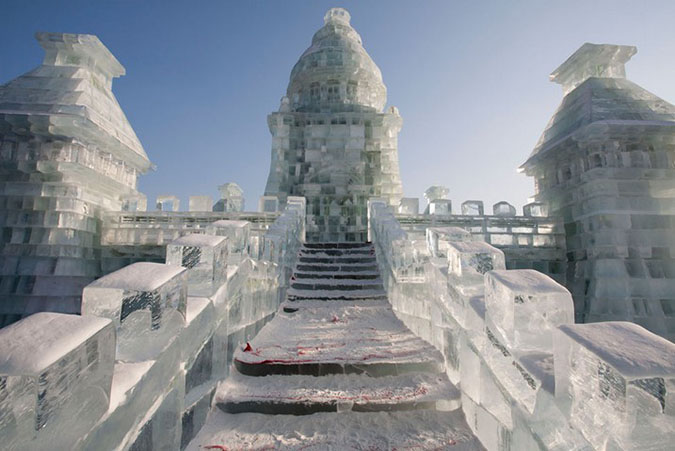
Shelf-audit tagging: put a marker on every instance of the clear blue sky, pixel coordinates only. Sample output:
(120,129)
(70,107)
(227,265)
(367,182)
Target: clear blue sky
(470,78)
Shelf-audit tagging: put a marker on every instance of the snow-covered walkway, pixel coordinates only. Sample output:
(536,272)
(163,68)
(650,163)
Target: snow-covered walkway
(335,369)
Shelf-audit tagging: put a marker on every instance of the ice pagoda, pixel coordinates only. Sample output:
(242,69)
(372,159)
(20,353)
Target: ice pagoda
(331,140)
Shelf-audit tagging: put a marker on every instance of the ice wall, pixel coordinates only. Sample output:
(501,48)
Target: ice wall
(68,155)
(530,377)
(139,369)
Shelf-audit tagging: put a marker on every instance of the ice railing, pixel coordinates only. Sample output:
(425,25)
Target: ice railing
(139,368)
(530,377)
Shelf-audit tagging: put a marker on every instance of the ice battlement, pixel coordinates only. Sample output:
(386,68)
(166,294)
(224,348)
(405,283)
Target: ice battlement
(593,60)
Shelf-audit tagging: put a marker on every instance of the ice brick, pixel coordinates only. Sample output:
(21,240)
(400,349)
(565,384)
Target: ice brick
(535,210)
(167,203)
(473,258)
(200,203)
(440,207)
(438,239)
(204,257)
(616,379)
(503,209)
(409,206)
(523,306)
(237,233)
(52,366)
(268,204)
(140,286)
(472,208)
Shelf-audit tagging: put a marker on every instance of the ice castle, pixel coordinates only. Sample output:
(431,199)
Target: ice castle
(337,316)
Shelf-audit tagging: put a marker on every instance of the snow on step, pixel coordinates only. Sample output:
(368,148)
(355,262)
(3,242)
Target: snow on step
(422,429)
(336,268)
(361,275)
(294,306)
(339,340)
(302,395)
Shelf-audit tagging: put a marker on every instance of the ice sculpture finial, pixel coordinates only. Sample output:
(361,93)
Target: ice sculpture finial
(593,60)
(337,15)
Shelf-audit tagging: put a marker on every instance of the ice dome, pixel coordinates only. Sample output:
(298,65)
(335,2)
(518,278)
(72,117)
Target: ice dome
(336,73)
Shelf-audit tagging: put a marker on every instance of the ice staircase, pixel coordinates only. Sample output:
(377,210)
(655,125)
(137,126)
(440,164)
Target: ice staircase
(335,369)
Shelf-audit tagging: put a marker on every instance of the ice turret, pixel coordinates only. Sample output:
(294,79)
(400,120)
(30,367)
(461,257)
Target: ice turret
(331,141)
(604,164)
(68,155)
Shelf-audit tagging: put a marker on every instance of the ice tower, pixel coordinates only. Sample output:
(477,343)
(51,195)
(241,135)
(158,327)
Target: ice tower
(67,155)
(331,141)
(604,164)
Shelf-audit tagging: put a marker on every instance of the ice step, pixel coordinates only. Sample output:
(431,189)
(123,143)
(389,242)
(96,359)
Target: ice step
(342,285)
(336,268)
(336,252)
(326,295)
(337,340)
(421,429)
(294,306)
(337,245)
(304,395)
(366,275)
(337,260)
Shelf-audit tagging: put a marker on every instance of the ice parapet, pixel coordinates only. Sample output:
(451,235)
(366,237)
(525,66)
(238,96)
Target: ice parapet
(43,357)
(205,257)
(617,380)
(151,287)
(524,306)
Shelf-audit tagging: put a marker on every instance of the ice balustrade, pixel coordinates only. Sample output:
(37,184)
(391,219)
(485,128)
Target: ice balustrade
(530,378)
(533,240)
(139,368)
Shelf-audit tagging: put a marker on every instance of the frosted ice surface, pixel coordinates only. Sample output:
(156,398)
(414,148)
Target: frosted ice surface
(52,365)
(617,378)
(39,340)
(141,276)
(140,286)
(523,307)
